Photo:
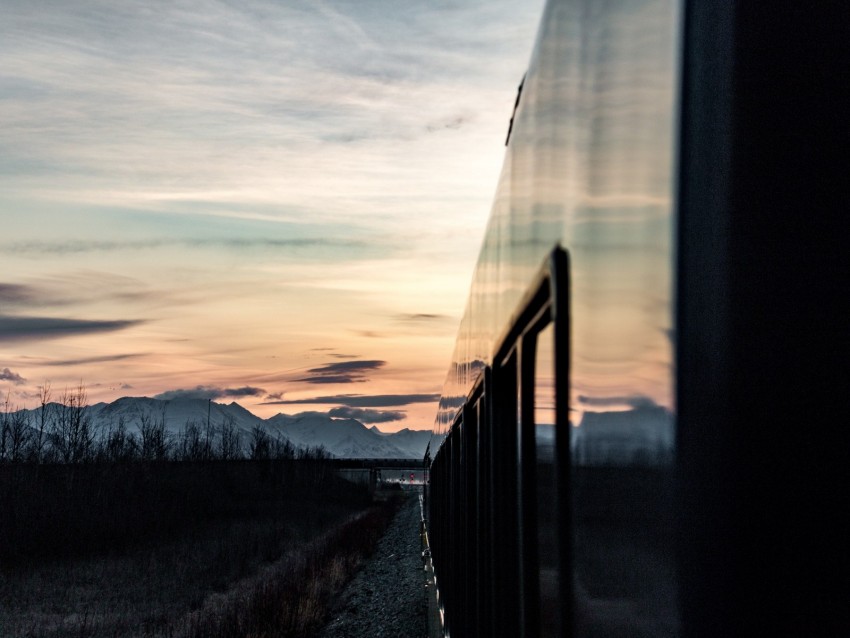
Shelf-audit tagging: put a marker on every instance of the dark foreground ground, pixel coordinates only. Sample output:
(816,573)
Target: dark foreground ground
(171,549)
(387,597)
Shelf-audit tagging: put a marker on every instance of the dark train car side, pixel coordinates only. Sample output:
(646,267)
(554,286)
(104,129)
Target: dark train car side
(642,431)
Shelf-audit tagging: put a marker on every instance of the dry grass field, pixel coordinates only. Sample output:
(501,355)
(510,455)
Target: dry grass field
(234,549)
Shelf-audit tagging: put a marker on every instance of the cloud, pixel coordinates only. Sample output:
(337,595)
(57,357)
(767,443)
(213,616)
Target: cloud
(349,366)
(452,402)
(339,378)
(76,288)
(468,366)
(13,328)
(419,317)
(275,396)
(342,372)
(77,247)
(209,392)
(16,293)
(363,401)
(14,377)
(452,123)
(634,401)
(367,416)
(103,359)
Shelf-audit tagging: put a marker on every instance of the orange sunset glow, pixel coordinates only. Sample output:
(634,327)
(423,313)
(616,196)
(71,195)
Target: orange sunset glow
(278,205)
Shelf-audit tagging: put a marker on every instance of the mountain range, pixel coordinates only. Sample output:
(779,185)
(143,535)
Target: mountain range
(342,438)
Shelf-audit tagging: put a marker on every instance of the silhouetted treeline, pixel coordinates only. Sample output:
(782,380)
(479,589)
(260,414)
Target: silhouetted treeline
(69,490)
(62,431)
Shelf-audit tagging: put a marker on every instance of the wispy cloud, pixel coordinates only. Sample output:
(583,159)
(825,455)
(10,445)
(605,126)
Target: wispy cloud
(421,317)
(367,416)
(13,328)
(87,360)
(120,107)
(209,392)
(77,247)
(342,372)
(8,375)
(362,401)
(16,294)
(227,158)
(76,288)
(452,123)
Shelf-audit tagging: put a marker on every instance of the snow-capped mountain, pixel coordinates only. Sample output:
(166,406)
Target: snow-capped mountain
(407,439)
(342,438)
(176,413)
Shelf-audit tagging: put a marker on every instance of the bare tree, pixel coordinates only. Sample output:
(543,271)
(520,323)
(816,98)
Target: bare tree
(261,444)
(283,448)
(4,426)
(42,426)
(20,435)
(229,443)
(119,445)
(72,435)
(154,442)
(15,432)
(195,444)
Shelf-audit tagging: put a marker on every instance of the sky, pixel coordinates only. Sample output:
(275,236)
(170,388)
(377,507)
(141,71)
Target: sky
(274,203)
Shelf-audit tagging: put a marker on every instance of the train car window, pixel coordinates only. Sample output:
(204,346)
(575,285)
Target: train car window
(506,568)
(547,483)
(468,439)
(483,529)
(623,523)
(527,479)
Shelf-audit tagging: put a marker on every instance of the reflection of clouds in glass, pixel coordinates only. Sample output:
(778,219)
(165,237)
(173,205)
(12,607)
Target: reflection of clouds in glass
(589,166)
(640,436)
(635,401)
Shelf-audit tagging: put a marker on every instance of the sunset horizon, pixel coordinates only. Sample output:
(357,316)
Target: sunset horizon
(280,206)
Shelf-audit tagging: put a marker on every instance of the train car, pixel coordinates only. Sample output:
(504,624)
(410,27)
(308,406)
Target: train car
(643,429)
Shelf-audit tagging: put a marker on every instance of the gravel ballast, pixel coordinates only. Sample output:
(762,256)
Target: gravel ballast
(386,598)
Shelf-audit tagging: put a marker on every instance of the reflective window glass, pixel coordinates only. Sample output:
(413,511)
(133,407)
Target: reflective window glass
(547,495)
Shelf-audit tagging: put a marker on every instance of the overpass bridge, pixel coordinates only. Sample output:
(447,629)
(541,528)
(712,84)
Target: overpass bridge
(406,473)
